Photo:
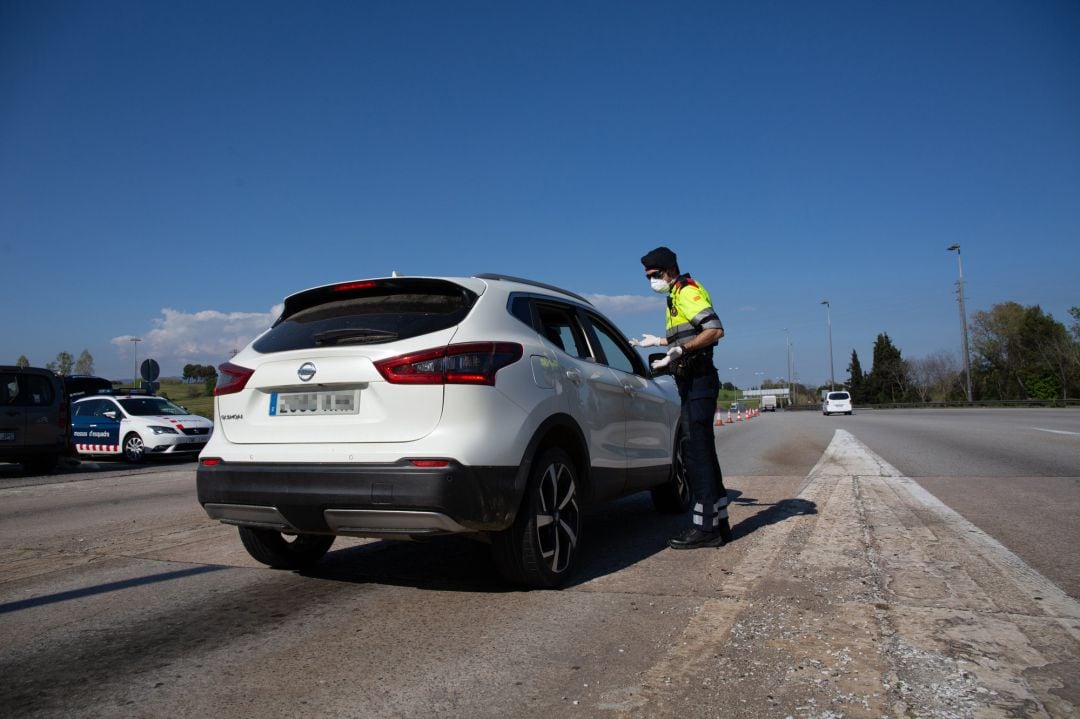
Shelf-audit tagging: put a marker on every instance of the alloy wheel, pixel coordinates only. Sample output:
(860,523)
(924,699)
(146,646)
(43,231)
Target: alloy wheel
(558,517)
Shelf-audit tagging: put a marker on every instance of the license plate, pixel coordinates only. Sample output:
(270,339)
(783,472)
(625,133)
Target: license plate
(7,436)
(306,404)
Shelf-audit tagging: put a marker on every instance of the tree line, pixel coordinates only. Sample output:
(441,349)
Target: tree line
(1017,353)
(194,373)
(65,363)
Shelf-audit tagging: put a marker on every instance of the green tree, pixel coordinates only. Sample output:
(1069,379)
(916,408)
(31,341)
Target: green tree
(856,379)
(62,365)
(888,380)
(85,363)
(1023,353)
(22,361)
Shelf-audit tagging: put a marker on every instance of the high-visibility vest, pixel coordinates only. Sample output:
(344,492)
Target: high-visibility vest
(690,310)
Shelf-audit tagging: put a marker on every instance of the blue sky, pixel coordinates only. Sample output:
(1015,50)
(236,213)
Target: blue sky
(171,171)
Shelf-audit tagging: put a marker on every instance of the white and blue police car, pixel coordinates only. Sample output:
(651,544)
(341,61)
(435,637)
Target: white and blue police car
(136,426)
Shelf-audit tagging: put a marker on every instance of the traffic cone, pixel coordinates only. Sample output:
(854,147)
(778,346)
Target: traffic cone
(730,420)
(738,417)
(718,421)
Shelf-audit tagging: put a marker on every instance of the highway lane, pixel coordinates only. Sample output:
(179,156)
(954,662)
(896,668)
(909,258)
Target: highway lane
(118,597)
(1014,473)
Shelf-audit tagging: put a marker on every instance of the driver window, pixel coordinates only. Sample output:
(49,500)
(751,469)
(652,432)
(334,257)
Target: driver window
(617,357)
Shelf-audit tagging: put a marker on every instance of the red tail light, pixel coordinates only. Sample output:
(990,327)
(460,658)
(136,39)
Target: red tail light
(231,378)
(471,363)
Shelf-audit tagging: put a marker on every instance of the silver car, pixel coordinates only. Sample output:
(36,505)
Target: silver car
(408,407)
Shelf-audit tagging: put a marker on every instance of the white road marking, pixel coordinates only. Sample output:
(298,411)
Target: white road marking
(1056,431)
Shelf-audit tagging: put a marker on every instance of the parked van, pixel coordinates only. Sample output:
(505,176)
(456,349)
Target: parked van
(35,420)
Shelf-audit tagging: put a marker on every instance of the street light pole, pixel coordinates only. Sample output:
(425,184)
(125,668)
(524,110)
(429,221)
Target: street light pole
(828,317)
(963,320)
(790,389)
(135,354)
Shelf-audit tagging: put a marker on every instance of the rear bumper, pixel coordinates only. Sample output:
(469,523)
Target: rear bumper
(373,500)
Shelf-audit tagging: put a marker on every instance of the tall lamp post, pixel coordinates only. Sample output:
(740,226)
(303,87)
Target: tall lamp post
(963,319)
(135,355)
(787,335)
(828,319)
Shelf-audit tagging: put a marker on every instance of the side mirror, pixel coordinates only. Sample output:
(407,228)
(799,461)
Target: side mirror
(653,357)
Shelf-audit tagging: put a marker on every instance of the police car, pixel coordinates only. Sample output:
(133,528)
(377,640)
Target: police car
(136,426)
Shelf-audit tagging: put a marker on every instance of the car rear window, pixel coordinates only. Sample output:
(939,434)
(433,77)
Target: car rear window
(839,395)
(368,312)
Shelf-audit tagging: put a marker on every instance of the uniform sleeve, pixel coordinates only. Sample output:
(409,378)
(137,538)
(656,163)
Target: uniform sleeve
(695,304)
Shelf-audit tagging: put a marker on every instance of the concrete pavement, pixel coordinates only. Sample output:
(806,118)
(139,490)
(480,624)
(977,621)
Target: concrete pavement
(881,603)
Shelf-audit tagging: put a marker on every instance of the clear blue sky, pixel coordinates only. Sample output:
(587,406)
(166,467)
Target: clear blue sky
(171,171)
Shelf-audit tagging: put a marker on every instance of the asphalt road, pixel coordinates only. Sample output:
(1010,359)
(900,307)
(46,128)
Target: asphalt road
(119,598)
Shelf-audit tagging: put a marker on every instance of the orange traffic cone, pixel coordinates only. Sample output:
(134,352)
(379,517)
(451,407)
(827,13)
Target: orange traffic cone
(730,420)
(738,417)
(718,421)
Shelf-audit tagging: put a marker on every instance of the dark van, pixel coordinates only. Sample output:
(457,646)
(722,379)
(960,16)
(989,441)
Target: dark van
(35,419)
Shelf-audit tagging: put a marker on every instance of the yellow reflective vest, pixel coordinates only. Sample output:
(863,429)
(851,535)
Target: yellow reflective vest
(690,310)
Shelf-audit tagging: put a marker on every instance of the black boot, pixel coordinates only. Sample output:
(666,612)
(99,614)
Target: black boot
(725,530)
(693,538)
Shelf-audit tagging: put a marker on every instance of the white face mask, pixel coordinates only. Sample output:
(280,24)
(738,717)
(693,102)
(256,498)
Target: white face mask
(659,284)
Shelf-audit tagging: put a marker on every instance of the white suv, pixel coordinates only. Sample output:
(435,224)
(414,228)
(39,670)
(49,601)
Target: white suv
(407,407)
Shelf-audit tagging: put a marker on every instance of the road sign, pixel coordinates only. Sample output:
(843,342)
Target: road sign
(149,370)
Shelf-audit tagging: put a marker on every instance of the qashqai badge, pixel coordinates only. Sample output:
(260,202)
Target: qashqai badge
(306,371)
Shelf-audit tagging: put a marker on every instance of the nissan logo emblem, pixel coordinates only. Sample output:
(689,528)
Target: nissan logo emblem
(306,371)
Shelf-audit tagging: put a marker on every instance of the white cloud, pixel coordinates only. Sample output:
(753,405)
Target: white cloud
(206,337)
(625,304)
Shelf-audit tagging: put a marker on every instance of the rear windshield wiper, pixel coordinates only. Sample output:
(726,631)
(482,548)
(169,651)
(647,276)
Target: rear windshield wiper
(352,336)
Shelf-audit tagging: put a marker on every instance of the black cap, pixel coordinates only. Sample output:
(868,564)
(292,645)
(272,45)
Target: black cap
(661,258)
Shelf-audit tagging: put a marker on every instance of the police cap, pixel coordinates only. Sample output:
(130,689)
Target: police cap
(659,259)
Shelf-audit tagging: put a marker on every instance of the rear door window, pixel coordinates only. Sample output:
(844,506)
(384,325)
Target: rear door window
(559,325)
(26,390)
(369,312)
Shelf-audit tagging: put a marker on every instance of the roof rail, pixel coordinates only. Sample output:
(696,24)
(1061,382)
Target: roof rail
(534,283)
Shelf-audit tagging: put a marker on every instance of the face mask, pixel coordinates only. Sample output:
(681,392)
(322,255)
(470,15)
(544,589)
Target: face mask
(659,285)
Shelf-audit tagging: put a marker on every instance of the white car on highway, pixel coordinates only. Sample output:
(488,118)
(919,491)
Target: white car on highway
(838,402)
(409,407)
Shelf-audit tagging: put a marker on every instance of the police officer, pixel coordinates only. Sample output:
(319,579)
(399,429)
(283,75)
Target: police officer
(693,329)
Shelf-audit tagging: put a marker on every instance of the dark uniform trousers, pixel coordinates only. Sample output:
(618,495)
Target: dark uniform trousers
(698,389)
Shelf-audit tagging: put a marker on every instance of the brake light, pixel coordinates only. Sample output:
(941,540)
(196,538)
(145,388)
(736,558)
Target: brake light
(231,378)
(345,287)
(469,363)
(210,461)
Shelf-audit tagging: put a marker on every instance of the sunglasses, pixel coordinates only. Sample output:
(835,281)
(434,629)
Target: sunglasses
(654,274)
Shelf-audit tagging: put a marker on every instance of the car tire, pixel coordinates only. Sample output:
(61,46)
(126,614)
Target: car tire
(674,496)
(134,449)
(44,464)
(275,550)
(540,548)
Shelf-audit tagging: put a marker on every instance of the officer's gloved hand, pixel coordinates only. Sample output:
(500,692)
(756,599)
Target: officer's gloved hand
(672,354)
(646,340)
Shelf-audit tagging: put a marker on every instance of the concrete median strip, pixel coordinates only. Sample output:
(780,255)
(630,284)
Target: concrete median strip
(885,602)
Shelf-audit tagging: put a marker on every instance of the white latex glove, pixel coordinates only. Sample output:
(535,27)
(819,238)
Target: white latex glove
(646,340)
(672,354)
